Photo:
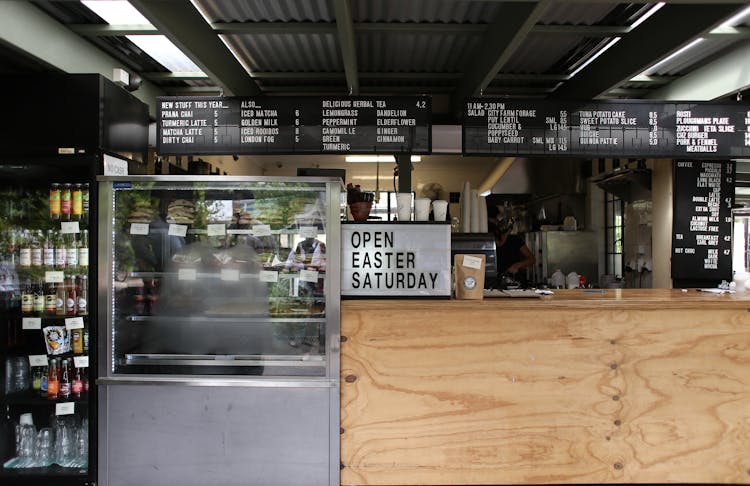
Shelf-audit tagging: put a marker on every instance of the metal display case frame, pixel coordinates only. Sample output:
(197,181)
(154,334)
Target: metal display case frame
(162,391)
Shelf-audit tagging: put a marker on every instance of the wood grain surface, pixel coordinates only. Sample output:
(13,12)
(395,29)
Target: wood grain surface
(442,392)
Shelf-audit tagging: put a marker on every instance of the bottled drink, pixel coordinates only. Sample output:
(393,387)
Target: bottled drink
(54,201)
(24,258)
(53,380)
(85,340)
(43,382)
(70,297)
(83,250)
(76,336)
(66,202)
(39,298)
(85,379)
(48,250)
(60,252)
(36,381)
(85,199)
(36,249)
(77,205)
(50,299)
(77,386)
(83,295)
(60,299)
(27,298)
(64,381)
(71,252)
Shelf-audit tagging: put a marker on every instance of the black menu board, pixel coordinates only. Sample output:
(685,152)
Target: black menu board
(703,194)
(300,125)
(606,129)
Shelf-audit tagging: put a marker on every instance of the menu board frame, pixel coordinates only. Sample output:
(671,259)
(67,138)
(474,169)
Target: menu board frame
(611,128)
(269,125)
(697,231)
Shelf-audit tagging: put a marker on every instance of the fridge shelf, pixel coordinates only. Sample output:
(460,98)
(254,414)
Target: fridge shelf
(214,275)
(45,475)
(228,319)
(225,360)
(32,398)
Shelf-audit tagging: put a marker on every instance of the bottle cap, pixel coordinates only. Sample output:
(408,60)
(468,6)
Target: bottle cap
(27,419)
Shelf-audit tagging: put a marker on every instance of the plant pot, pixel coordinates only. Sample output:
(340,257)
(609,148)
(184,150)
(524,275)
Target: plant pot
(360,210)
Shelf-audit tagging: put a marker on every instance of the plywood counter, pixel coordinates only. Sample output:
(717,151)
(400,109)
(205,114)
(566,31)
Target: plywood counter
(616,387)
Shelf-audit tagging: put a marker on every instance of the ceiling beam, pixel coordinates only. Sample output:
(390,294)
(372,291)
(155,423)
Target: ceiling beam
(175,76)
(107,30)
(664,33)
(345,28)
(506,32)
(582,30)
(188,30)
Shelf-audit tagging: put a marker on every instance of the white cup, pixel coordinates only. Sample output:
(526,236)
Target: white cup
(439,209)
(403,206)
(422,209)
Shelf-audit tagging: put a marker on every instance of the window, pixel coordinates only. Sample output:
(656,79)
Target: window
(614,229)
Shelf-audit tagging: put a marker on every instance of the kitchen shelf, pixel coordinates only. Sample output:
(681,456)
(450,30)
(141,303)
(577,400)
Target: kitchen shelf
(214,275)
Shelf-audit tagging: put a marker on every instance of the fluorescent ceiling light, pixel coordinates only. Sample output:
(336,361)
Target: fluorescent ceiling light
(165,53)
(648,14)
(116,12)
(121,12)
(649,70)
(599,53)
(486,193)
(736,19)
(378,158)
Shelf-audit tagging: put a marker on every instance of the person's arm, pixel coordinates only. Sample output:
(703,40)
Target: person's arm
(528,260)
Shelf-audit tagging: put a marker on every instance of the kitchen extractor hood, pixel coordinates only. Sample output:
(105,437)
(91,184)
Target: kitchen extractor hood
(627,184)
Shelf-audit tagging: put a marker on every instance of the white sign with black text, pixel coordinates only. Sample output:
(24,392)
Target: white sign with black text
(396,260)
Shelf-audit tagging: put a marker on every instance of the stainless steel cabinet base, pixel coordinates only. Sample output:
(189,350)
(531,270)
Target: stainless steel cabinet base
(201,435)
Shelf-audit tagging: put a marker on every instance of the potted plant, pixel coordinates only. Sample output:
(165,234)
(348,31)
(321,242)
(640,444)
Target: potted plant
(360,202)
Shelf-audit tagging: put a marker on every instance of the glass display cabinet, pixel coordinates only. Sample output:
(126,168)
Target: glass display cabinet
(230,282)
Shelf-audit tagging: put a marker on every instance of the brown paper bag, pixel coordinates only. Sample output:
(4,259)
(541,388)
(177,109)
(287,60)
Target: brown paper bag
(469,270)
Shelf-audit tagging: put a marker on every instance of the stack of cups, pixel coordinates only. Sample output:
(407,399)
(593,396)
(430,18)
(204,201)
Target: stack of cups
(422,209)
(403,206)
(439,209)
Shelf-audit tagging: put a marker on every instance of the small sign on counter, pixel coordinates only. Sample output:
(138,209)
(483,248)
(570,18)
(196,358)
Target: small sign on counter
(395,260)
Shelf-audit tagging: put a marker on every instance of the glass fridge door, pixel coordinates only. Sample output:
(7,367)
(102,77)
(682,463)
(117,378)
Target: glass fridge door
(212,276)
(45,322)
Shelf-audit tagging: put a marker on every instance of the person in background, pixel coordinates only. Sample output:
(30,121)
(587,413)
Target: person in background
(512,252)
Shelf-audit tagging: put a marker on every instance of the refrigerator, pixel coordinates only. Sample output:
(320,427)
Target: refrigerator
(62,129)
(220,323)
(569,251)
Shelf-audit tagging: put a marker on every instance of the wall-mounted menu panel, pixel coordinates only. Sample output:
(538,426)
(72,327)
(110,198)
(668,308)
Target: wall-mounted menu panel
(606,129)
(703,194)
(301,125)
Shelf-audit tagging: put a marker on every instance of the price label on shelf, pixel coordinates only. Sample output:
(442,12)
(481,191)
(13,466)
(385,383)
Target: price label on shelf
(230,274)
(472,262)
(216,229)
(308,232)
(65,408)
(139,228)
(38,360)
(187,274)
(308,276)
(269,276)
(54,277)
(178,230)
(31,323)
(261,230)
(81,361)
(69,227)
(239,232)
(74,323)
